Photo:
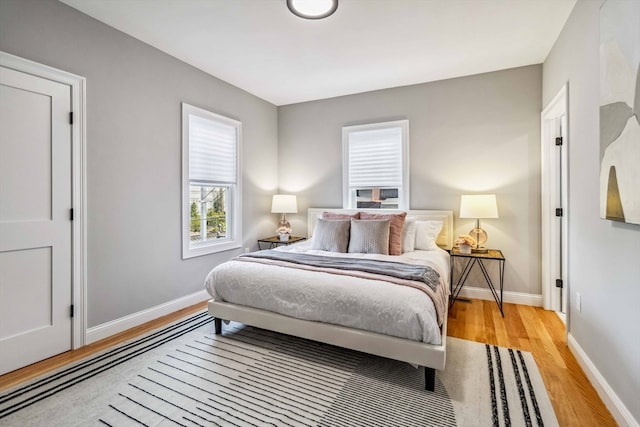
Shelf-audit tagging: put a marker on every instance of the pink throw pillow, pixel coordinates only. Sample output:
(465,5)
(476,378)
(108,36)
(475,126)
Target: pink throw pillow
(333,215)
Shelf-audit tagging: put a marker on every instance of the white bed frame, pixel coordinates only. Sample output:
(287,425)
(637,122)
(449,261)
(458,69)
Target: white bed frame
(430,356)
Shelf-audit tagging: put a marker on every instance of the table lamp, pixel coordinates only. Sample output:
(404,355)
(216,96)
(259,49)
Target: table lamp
(284,204)
(478,206)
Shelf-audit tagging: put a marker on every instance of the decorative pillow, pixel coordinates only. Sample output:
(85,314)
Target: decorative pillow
(369,237)
(331,235)
(334,215)
(395,229)
(409,236)
(427,234)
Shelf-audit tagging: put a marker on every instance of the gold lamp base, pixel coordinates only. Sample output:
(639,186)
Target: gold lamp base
(481,237)
(479,250)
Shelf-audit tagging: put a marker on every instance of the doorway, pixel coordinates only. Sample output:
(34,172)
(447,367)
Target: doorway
(554,191)
(41,212)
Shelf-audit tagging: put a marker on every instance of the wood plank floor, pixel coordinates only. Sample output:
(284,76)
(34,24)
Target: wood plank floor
(527,328)
(542,333)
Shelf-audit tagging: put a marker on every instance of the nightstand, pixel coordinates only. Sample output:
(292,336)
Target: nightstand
(274,241)
(471,260)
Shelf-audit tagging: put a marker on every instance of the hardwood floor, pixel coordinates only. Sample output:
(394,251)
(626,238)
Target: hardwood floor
(542,333)
(532,329)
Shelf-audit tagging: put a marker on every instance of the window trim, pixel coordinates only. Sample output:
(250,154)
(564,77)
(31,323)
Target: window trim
(403,196)
(234,230)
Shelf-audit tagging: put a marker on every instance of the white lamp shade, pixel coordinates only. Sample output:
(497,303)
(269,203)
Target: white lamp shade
(283,203)
(478,206)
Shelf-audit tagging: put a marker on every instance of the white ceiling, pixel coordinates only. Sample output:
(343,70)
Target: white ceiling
(259,46)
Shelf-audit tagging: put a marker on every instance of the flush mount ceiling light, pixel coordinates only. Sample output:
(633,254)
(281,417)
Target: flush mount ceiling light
(312,9)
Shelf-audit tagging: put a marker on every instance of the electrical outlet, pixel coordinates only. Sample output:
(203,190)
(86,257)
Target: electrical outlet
(578,301)
(246,250)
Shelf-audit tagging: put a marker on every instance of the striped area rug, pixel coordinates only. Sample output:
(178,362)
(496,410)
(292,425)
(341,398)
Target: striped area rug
(185,375)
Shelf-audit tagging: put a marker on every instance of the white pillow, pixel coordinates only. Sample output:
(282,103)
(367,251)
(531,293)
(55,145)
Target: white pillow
(369,237)
(409,236)
(426,234)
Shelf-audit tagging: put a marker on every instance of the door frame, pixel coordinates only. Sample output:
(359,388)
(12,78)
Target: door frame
(550,183)
(78,184)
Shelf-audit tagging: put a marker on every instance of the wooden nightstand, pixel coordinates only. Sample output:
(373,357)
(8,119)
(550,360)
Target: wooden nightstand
(274,241)
(477,258)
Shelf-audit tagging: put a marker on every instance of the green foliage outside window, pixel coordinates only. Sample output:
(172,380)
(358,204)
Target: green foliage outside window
(195,218)
(216,217)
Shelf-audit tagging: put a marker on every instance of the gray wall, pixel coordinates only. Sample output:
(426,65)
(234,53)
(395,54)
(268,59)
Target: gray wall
(604,256)
(133,153)
(472,134)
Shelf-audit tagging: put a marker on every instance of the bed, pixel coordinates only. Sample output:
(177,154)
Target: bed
(397,322)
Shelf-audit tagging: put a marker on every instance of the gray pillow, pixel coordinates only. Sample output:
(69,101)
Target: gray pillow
(331,235)
(369,237)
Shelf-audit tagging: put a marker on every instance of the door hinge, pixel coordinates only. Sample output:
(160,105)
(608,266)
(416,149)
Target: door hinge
(559,212)
(71,311)
(71,214)
(559,140)
(71,117)
(559,283)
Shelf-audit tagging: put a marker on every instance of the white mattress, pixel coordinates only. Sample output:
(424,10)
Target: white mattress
(371,305)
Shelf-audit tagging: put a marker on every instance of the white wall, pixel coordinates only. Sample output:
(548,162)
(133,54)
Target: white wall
(134,93)
(604,256)
(471,134)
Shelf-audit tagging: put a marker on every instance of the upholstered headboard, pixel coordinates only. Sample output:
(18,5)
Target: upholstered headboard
(444,240)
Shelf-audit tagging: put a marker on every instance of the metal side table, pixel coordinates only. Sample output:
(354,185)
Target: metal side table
(471,260)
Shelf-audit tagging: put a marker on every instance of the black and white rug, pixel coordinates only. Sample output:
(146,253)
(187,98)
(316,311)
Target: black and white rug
(185,375)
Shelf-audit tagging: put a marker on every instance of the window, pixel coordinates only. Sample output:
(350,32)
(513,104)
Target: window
(210,182)
(375,159)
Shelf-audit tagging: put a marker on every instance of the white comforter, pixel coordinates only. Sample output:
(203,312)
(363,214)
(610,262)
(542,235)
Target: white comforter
(371,305)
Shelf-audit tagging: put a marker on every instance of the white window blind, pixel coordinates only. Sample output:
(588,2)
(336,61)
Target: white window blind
(375,165)
(212,151)
(375,158)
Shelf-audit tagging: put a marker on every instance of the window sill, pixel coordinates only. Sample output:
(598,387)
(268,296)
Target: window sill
(209,249)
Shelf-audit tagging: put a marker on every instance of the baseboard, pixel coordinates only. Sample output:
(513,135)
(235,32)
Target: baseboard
(611,400)
(113,327)
(507,296)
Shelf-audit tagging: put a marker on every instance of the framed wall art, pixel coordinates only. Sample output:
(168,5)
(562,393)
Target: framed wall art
(620,111)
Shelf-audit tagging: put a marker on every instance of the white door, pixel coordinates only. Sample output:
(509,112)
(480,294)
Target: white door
(559,224)
(35,223)
(555,203)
